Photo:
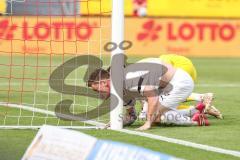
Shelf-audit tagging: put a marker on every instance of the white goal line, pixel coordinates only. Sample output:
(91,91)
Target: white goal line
(38,127)
(127,131)
(184,143)
(42,111)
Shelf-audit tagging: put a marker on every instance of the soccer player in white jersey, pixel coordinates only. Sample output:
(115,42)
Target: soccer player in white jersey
(163,86)
(178,61)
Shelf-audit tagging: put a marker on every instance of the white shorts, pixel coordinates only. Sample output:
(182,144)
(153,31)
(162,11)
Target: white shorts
(182,87)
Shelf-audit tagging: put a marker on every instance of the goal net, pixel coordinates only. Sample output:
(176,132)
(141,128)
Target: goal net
(48,49)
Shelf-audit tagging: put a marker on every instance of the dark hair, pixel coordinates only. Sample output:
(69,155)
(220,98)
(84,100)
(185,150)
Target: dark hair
(97,75)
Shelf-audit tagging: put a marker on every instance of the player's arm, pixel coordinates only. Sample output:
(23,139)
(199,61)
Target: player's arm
(153,106)
(155,109)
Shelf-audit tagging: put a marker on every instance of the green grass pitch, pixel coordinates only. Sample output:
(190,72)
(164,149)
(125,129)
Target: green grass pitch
(218,75)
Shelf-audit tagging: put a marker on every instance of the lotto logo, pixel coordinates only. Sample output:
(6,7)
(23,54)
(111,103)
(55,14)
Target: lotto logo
(7,30)
(42,30)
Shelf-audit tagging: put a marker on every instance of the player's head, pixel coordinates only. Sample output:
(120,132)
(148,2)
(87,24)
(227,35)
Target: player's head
(99,81)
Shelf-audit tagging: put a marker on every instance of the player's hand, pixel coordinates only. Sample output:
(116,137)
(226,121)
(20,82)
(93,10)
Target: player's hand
(146,126)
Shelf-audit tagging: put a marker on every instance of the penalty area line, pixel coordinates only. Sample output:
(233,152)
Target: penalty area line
(183,142)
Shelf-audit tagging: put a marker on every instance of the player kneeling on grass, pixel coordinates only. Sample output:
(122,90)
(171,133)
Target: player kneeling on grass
(99,81)
(186,64)
(161,85)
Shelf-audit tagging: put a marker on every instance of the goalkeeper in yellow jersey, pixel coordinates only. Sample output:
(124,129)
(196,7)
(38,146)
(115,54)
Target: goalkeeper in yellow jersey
(205,100)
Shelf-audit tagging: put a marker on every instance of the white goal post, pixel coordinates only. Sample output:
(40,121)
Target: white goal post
(117,68)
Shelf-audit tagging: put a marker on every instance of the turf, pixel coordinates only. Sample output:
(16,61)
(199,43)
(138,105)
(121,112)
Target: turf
(221,76)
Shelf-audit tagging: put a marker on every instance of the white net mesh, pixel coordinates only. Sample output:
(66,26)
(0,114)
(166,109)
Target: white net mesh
(38,36)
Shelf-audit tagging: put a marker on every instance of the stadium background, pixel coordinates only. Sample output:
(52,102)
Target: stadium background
(209,28)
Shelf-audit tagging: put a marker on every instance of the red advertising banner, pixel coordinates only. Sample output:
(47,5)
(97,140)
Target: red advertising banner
(190,37)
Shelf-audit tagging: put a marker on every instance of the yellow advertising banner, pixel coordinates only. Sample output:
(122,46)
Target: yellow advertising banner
(150,37)
(103,7)
(2,7)
(194,8)
(174,8)
(169,8)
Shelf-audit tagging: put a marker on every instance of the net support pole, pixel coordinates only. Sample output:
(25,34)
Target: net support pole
(117,66)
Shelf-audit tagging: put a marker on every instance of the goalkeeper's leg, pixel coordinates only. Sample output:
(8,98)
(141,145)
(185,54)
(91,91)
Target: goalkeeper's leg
(206,99)
(174,117)
(200,97)
(188,110)
(195,97)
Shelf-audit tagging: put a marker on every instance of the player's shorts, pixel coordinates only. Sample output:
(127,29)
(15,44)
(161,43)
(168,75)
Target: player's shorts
(182,62)
(182,87)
